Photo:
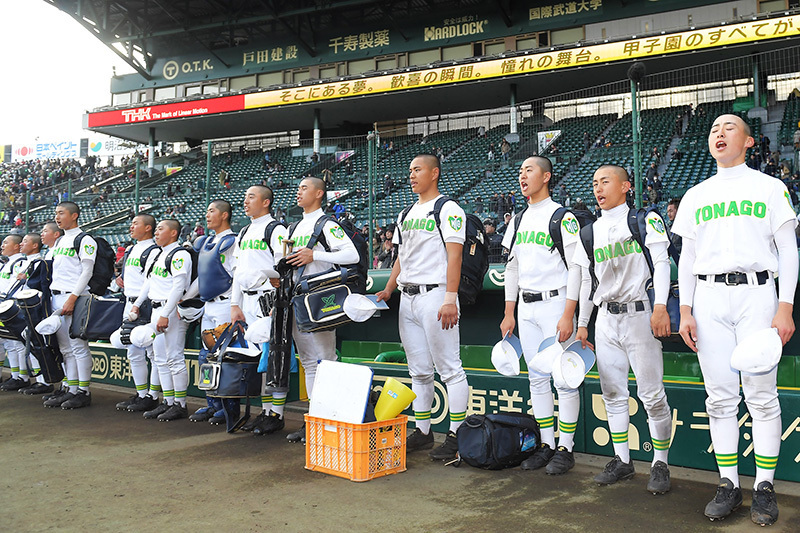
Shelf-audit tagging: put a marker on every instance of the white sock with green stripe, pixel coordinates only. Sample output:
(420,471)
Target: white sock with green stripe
(660,433)
(767,446)
(139,371)
(155,391)
(180,397)
(278,402)
(34,364)
(569,406)
(422,405)
(73,385)
(457,397)
(141,390)
(169,396)
(83,385)
(618,426)
(14,372)
(266,402)
(543,412)
(725,437)
(84,365)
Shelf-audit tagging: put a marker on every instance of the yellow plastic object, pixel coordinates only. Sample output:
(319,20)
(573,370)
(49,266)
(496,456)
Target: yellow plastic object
(393,399)
(358,452)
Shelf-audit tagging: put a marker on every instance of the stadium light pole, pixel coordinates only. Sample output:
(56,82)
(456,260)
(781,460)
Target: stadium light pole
(636,73)
(27,210)
(69,188)
(136,187)
(208,175)
(371,188)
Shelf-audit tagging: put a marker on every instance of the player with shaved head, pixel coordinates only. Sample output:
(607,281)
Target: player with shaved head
(627,325)
(738,231)
(168,278)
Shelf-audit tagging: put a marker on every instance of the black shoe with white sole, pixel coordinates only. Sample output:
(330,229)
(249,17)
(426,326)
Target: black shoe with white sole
(727,499)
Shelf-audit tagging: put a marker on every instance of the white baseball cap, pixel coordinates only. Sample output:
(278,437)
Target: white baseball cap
(549,350)
(260,330)
(359,308)
(191,309)
(506,354)
(143,336)
(758,353)
(116,340)
(572,365)
(49,325)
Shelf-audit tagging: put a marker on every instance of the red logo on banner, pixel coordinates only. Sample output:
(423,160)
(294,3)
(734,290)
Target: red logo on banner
(167,111)
(24,151)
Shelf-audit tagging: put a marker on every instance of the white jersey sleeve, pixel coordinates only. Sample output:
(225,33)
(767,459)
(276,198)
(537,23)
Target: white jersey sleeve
(452,222)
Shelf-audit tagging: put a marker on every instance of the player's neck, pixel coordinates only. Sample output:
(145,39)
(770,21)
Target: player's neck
(310,209)
(427,196)
(537,198)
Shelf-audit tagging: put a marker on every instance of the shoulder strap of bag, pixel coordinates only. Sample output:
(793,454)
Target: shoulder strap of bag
(587,239)
(517,222)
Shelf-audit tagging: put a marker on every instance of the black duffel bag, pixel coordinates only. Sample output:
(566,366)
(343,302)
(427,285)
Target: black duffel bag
(497,441)
(318,303)
(231,371)
(96,317)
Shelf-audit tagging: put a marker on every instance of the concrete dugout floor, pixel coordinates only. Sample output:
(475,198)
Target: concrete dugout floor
(96,469)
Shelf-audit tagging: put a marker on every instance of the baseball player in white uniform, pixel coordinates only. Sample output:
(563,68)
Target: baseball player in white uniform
(625,329)
(168,277)
(216,263)
(258,247)
(537,275)
(50,234)
(72,269)
(30,247)
(131,280)
(15,350)
(738,230)
(428,272)
(319,345)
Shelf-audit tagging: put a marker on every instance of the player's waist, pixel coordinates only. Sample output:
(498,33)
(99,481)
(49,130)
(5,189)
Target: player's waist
(539,296)
(737,278)
(624,308)
(413,289)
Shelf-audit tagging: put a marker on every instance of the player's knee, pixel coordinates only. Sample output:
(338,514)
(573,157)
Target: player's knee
(764,409)
(567,394)
(615,403)
(722,407)
(422,379)
(656,406)
(540,384)
(455,378)
(176,366)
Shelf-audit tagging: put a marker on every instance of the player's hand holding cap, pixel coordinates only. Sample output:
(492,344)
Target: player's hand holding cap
(359,308)
(572,365)
(143,336)
(758,353)
(259,331)
(506,354)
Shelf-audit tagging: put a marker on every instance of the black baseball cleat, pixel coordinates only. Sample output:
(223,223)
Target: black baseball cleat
(615,471)
(37,388)
(55,394)
(81,399)
(14,384)
(727,499)
(543,454)
(272,423)
(561,463)
(56,401)
(257,421)
(448,450)
(659,482)
(143,404)
(175,412)
(419,441)
(217,419)
(157,410)
(201,415)
(124,404)
(764,510)
(298,435)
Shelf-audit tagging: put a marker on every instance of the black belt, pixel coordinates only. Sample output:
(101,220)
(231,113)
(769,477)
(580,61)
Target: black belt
(253,293)
(132,299)
(220,298)
(57,292)
(156,305)
(530,297)
(735,278)
(416,289)
(616,308)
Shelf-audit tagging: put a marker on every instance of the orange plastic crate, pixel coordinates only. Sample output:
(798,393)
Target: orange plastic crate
(358,452)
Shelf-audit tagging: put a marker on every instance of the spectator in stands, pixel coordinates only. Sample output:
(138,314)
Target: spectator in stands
(199,231)
(587,141)
(504,225)
(327,177)
(656,153)
(505,150)
(481,131)
(511,202)
(752,162)
(388,184)
(770,169)
(652,195)
(387,255)
(241,151)
(763,142)
(478,206)
(440,154)
(495,241)
(338,209)
(796,138)
(597,211)
(561,197)
(490,153)
(672,211)
(651,174)
(500,204)
(677,154)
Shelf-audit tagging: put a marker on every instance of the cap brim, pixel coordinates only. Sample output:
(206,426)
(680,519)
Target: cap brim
(585,353)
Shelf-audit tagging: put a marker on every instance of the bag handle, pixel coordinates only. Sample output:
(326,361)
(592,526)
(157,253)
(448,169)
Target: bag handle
(227,336)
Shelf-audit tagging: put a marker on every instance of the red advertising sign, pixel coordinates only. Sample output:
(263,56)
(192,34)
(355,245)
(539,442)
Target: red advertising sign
(152,113)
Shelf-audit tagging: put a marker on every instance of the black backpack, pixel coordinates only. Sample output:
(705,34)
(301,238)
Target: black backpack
(637,224)
(497,441)
(142,259)
(168,261)
(104,261)
(583,216)
(474,257)
(356,272)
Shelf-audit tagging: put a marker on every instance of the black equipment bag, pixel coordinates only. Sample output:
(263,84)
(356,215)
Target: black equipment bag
(103,263)
(497,441)
(279,360)
(96,318)
(319,301)
(44,348)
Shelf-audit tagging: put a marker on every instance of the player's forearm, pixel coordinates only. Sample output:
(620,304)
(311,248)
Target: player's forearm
(143,293)
(786,244)
(686,279)
(587,306)
(391,284)
(87,267)
(661,272)
(511,279)
(176,294)
(236,291)
(453,265)
(574,282)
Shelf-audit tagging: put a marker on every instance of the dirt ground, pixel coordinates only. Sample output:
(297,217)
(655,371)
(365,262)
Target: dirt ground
(97,469)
